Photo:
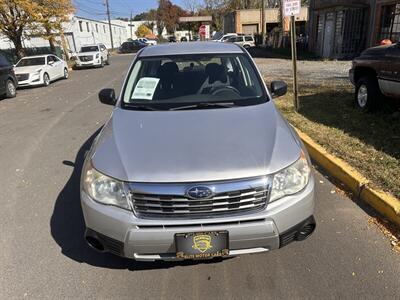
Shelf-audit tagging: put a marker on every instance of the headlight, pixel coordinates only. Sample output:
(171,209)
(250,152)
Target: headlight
(97,55)
(291,180)
(104,189)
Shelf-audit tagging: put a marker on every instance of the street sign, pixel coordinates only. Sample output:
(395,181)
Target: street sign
(291,7)
(202,30)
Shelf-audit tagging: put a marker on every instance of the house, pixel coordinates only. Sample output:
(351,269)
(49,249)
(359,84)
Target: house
(343,29)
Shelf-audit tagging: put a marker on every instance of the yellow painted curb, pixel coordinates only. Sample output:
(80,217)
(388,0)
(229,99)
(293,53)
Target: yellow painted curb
(384,203)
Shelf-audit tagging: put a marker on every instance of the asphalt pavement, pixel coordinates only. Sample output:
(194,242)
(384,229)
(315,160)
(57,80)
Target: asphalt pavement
(44,133)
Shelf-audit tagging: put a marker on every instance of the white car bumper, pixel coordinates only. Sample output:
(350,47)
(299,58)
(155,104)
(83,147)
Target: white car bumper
(29,80)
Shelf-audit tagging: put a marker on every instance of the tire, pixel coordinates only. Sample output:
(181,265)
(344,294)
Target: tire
(108,61)
(102,63)
(368,95)
(66,73)
(46,79)
(11,89)
(246,46)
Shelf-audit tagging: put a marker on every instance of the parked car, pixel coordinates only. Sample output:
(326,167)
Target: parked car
(95,55)
(174,175)
(8,82)
(245,41)
(147,41)
(376,73)
(224,37)
(131,47)
(172,39)
(184,39)
(40,70)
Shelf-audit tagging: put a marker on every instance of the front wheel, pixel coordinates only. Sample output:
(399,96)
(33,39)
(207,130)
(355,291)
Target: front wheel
(368,94)
(11,89)
(46,79)
(66,73)
(108,61)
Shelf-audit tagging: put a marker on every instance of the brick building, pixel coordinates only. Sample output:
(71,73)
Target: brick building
(342,28)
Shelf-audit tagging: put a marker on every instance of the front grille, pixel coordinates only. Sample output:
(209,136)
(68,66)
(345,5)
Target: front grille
(22,77)
(248,198)
(86,58)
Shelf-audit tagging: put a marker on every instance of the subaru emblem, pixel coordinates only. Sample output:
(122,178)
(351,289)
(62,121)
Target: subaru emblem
(199,192)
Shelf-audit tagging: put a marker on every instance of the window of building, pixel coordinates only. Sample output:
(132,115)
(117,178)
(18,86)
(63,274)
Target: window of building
(97,28)
(80,26)
(87,27)
(390,23)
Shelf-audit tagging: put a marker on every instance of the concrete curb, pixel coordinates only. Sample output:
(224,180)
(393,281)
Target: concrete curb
(384,203)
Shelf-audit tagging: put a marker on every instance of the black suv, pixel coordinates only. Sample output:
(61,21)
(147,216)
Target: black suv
(8,82)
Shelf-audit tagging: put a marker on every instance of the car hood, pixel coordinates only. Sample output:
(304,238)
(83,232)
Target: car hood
(87,53)
(375,51)
(29,69)
(194,146)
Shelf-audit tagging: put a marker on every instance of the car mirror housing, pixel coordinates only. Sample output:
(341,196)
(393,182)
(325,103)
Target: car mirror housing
(107,96)
(278,88)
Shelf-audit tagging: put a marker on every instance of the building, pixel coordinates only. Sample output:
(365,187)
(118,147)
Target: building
(80,31)
(248,21)
(343,29)
(132,27)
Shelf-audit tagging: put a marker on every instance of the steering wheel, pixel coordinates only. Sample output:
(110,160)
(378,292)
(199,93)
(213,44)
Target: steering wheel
(224,89)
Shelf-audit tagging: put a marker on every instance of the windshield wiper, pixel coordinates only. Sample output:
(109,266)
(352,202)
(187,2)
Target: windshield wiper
(202,105)
(140,107)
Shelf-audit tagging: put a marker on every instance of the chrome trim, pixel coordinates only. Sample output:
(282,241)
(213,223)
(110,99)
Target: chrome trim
(166,201)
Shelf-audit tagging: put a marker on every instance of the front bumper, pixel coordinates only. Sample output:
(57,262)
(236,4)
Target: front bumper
(121,233)
(351,76)
(31,81)
(83,64)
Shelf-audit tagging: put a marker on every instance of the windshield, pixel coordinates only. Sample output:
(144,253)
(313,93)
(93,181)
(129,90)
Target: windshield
(26,62)
(89,49)
(190,79)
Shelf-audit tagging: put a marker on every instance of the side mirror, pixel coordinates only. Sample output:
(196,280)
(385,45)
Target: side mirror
(278,88)
(51,63)
(107,96)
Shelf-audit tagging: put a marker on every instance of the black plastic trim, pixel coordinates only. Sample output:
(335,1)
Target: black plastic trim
(291,234)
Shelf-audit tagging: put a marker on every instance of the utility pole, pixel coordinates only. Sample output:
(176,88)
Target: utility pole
(130,25)
(263,22)
(109,24)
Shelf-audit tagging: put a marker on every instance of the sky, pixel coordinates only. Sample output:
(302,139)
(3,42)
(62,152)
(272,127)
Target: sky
(95,9)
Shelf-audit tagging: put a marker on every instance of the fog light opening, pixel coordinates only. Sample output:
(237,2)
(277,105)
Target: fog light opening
(305,232)
(95,243)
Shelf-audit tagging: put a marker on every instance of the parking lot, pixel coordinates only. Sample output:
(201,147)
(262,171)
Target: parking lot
(44,135)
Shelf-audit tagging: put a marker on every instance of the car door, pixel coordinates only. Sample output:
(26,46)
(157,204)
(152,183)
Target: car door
(58,66)
(390,83)
(51,67)
(3,74)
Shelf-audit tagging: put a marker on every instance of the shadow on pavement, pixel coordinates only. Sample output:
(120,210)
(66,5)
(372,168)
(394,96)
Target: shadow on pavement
(67,226)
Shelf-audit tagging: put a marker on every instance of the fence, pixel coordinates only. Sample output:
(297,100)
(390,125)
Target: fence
(11,55)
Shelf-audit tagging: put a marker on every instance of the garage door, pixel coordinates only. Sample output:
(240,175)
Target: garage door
(250,29)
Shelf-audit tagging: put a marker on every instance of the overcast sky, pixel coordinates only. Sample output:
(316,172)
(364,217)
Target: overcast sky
(95,9)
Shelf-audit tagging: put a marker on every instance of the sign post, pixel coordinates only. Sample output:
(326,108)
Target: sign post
(290,9)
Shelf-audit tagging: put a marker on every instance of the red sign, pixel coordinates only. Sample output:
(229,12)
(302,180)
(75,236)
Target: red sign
(202,30)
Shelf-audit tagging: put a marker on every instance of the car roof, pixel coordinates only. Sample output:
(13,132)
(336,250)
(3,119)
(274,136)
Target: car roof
(36,56)
(190,48)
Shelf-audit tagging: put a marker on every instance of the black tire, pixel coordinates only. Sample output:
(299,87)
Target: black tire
(46,79)
(108,61)
(102,63)
(66,73)
(368,96)
(11,89)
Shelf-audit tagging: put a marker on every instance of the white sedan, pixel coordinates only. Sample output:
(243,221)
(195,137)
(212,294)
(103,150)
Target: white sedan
(40,70)
(148,42)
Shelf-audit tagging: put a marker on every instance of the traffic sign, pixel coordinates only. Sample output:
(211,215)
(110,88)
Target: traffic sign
(291,7)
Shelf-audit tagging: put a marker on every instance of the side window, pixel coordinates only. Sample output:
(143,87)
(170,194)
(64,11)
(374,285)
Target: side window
(55,58)
(3,61)
(248,39)
(50,59)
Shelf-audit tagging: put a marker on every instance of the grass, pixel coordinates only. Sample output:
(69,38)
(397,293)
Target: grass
(368,142)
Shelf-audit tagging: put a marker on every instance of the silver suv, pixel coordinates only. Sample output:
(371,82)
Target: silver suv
(195,161)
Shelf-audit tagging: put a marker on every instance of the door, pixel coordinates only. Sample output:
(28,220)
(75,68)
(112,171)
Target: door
(59,67)
(250,29)
(389,77)
(328,36)
(4,67)
(51,68)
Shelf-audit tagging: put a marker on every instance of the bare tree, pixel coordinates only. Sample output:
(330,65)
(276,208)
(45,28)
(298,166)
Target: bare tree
(191,5)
